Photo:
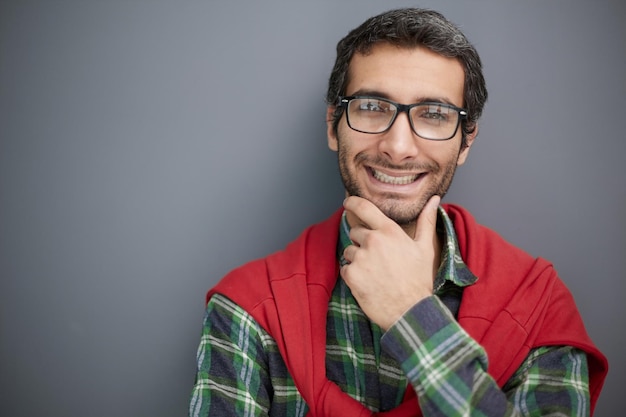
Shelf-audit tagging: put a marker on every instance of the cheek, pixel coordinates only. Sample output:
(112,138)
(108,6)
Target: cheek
(449,154)
(343,142)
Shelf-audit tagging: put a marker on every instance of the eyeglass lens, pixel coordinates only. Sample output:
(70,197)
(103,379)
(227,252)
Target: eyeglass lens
(429,120)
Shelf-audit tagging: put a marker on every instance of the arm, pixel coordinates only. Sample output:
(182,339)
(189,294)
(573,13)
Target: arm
(448,371)
(232,366)
(391,273)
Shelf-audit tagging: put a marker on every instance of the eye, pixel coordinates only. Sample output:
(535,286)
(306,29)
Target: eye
(434,113)
(373,106)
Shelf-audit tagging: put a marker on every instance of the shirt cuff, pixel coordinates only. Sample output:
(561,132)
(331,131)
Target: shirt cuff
(427,338)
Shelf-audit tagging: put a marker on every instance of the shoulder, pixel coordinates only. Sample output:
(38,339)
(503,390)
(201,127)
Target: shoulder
(508,276)
(487,253)
(516,296)
(478,241)
(227,320)
(314,249)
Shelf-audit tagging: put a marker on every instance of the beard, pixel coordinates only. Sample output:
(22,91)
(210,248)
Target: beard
(395,206)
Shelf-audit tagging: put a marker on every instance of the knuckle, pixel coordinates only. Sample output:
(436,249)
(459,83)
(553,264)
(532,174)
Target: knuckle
(357,256)
(372,239)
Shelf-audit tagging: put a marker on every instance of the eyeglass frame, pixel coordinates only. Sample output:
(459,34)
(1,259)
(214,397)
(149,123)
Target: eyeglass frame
(344,101)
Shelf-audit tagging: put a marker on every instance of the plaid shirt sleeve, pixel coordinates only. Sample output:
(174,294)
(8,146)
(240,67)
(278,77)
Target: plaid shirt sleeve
(230,375)
(447,369)
(239,368)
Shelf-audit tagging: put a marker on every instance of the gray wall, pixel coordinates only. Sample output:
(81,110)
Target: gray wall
(147,147)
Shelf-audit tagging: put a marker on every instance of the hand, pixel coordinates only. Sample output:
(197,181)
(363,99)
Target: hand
(388,271)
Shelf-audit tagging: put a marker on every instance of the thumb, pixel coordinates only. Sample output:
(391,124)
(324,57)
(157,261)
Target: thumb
(427,220)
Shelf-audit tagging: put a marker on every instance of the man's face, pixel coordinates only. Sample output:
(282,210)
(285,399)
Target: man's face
(397,170)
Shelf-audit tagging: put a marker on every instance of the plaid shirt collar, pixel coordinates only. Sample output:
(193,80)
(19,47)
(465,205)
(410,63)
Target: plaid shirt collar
(452,268)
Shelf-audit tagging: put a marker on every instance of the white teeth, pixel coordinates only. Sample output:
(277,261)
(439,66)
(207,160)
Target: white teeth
(394,180)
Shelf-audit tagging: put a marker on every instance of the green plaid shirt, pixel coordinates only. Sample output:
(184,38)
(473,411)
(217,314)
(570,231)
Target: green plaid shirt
(241,372)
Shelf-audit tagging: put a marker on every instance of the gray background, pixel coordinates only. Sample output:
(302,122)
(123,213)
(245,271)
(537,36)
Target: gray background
(148,147)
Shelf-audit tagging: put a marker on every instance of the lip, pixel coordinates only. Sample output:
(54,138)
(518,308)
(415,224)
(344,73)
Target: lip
(396,181)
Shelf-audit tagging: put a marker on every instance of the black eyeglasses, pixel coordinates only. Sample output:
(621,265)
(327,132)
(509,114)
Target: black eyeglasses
(429,120)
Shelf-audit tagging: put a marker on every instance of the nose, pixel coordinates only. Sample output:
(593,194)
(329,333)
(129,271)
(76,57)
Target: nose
(399,143)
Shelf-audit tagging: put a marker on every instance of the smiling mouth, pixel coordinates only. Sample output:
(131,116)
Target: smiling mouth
(388,179)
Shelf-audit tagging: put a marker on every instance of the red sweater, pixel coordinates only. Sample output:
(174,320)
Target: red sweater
(517,298)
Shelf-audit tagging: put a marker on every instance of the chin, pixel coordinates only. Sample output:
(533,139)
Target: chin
(399,212)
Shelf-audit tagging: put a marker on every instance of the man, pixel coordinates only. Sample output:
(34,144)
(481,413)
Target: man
(396,304)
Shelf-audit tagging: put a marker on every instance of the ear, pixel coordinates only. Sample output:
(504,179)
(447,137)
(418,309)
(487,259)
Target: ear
(469,140)
(330,131)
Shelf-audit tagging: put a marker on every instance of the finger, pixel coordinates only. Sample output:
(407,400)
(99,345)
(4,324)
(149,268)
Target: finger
(427,220)
(358,234)
(348,253)
(345,274)
(366,212)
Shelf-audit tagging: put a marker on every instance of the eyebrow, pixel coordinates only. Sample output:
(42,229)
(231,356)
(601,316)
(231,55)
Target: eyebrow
(380,94)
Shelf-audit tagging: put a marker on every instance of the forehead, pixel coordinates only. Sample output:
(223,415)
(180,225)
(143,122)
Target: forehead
(406,74)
